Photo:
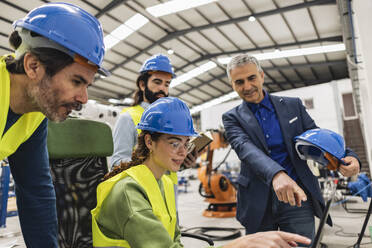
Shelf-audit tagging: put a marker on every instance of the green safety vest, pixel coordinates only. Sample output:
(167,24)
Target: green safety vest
(136,112)
(23,128)
(144,177)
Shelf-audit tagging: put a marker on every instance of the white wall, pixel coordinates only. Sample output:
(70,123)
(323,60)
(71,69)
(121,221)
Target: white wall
(362,24)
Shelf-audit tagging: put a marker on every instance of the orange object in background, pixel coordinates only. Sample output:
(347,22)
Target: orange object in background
(218,189)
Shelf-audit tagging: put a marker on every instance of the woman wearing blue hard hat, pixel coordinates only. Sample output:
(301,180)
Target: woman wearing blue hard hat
(328,149)
(58,50)
(136,203)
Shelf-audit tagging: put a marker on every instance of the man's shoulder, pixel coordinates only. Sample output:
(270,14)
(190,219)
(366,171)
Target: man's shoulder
(285,99)
(233,110)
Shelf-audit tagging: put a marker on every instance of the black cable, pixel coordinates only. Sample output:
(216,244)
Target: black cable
(203,193)
(355,210)
(223,160)
(197,236)
(235,232)
(341,232)
(351,246)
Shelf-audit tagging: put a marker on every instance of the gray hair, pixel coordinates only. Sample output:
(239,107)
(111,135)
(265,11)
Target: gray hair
(240,60)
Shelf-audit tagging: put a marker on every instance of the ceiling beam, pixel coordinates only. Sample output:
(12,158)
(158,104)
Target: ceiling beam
(179,33)
(305,65)
(110,6)
(306,82)
(300,43)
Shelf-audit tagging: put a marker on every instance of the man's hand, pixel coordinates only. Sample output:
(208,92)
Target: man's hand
(190,160)
(273,239)
(287,190)
(352,168)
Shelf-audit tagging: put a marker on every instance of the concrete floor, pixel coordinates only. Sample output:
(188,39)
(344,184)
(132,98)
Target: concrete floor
(343,234)
(191,205)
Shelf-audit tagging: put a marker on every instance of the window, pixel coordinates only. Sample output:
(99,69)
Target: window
(349,107)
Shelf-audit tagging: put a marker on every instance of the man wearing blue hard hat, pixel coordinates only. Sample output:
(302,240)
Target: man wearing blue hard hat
(58,50)
(276,188)
(153,83)
(136,203)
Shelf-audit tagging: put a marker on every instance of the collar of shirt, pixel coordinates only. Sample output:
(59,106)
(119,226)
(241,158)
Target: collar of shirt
(266,103)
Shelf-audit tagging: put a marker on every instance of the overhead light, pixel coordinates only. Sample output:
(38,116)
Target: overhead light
(136,21)
(252,19)
(193,73)
(110,41)
(292,53)
(213,102)
(124,30)
(175,6)
(170,51)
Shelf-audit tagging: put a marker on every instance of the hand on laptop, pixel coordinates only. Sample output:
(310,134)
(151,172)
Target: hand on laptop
(287,190)
(273,239)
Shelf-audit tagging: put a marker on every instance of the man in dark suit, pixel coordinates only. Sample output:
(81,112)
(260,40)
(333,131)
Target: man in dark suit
(276,188)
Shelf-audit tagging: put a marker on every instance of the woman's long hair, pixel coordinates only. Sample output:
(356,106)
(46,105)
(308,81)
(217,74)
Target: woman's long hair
(139,155)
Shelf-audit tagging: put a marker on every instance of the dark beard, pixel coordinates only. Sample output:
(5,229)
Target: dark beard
(153,96)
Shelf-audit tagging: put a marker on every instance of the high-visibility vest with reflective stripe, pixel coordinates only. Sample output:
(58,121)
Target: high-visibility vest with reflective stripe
(23,128)
(136,112)
(144,177)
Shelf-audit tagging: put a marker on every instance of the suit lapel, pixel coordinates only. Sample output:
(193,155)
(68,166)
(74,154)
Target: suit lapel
(282,113)
(251,125)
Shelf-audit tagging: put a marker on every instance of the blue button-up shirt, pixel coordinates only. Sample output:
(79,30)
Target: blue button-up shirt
(267,119)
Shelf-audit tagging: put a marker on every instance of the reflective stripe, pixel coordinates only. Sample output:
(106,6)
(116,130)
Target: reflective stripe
(24,127)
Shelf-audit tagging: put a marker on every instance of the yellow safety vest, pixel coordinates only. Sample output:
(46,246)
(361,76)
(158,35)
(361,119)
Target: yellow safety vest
(142,175)
(136,112)
(23,128)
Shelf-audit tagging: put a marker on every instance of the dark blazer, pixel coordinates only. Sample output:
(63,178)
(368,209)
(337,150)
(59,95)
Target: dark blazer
(257,168)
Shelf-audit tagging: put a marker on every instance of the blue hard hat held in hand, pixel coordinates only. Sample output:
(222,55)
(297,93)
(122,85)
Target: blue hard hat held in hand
(158,62)
(321,145)
(168,115)
(70,27)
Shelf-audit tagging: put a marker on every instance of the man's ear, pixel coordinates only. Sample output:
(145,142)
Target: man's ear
(33,68)
(262,74)
(142,85)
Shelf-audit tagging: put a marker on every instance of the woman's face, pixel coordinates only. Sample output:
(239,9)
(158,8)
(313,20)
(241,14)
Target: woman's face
(169,151)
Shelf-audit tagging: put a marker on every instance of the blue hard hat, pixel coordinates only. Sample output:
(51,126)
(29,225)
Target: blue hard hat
(313,143)
(69,26)
(158,62)
(168,115)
